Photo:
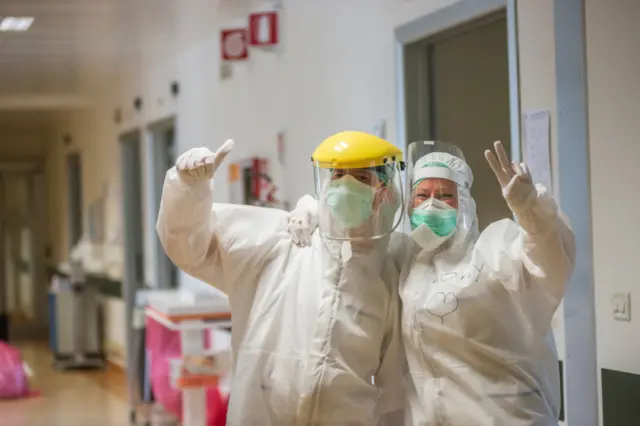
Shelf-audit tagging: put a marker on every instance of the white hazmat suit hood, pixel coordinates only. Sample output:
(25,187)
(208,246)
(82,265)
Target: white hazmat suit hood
(446,165)
(477,312)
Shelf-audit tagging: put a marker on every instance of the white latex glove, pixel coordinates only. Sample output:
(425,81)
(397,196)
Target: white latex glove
(200,164)
(303,221)
(516,182)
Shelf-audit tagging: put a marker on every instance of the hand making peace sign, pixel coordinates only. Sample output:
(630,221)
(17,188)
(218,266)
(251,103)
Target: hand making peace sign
(515,179)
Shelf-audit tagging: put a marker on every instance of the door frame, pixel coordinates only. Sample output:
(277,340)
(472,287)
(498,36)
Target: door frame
(582,400)
(412,38)
(156,167)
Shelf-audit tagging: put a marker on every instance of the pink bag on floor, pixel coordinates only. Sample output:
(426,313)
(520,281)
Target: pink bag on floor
(14,382)
(164,345)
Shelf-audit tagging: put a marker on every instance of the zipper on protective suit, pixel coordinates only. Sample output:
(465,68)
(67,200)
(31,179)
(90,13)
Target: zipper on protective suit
(307,411)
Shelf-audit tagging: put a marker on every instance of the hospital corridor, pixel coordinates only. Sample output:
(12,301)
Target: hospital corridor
(319,213)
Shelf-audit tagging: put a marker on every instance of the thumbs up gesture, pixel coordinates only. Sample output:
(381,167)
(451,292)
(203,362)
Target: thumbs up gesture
(200,164)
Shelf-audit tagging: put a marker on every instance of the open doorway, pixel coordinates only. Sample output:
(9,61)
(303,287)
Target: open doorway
(163,157)
(457,91)
(19,277)
(24,288)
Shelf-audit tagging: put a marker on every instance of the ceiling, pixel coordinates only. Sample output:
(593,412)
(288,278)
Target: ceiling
(75,47)
(70,40)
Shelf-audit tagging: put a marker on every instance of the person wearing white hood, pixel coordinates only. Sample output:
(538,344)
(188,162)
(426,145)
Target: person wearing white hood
(477,307)
(316,330)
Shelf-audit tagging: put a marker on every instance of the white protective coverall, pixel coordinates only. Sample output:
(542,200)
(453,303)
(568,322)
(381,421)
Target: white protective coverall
(310,332)
(477,315)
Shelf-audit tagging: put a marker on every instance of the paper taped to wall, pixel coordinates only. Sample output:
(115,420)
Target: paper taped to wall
(537,146)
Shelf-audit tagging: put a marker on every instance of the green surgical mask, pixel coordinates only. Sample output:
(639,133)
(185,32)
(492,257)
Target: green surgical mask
(350,202)
(437,216)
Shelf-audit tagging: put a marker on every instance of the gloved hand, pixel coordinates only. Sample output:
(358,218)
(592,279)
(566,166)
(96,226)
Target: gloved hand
(516,182)
(303,221)
(199,164)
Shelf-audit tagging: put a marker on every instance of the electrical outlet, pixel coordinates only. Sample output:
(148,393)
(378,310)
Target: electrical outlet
(621,306)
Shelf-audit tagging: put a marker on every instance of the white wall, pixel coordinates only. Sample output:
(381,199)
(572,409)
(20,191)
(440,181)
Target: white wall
(613,57)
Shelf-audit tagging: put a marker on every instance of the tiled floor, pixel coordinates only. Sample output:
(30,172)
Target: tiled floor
(68,398)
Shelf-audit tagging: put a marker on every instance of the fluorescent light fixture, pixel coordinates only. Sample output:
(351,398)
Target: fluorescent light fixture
(16,23)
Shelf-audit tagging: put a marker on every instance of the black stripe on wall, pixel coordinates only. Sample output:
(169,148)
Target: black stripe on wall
(620,398)
(561,418)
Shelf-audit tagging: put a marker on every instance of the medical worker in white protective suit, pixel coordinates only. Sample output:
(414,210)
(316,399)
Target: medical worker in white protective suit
(316,338)
(477,307)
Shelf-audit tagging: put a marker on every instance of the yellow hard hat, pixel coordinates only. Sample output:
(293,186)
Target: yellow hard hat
(354,150)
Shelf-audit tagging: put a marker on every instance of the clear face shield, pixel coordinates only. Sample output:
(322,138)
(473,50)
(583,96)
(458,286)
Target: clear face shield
(438,201)
(359,204)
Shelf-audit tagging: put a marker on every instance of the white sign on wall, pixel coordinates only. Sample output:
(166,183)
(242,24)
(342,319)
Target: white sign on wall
(537,146)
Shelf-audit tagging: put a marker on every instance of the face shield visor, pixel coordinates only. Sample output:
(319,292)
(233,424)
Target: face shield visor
(359,203)
(439,199)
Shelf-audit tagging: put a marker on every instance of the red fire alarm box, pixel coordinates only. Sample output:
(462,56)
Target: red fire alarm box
(263,29)
(234,44)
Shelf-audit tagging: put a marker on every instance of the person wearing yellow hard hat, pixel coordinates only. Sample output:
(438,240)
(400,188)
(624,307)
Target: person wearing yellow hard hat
(358,184)
(316,338)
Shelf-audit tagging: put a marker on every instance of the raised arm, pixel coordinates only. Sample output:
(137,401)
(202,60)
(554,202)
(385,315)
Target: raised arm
(546,245)
(220,244)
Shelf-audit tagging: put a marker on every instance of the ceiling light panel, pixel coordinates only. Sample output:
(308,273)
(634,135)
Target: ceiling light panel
(16,23)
